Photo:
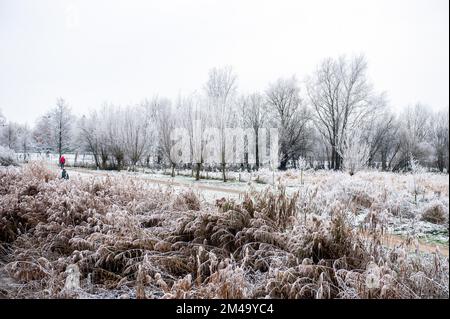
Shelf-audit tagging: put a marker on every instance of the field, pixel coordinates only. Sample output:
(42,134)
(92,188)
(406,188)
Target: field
(316,234)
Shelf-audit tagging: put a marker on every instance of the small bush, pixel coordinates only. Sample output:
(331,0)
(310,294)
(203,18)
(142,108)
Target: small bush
(7,157)
(435,213)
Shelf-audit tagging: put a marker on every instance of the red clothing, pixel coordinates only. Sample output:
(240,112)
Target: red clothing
(62,160)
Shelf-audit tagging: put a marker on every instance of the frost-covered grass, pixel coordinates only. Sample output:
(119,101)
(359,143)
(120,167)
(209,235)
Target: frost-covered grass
(391,196)
(115,237)
(414,206)
(409,203)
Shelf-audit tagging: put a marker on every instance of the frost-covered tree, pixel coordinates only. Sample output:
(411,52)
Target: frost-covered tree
(90,138)
(220,90)
(193,117)
(440,139)
(8,141)
(60,120)
(9,133)
(166,124)
(414,135)
(254,112)
(291,118)
(9,136)
(354,150)
(25,142)
(385,140)
(341,96)
(113,135)
(149,110)
(2,119)
(78,142)
(119,136)
(137,133)
(42,133)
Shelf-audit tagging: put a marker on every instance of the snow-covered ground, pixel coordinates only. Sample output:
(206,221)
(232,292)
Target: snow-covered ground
(71,159)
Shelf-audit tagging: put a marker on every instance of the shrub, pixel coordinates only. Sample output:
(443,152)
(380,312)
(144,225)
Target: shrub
(435,213)
(7,157)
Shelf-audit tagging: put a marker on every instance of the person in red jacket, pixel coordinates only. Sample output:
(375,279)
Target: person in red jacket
(62,161)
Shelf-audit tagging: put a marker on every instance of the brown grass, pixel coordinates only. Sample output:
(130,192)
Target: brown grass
(128,241)
(435,213)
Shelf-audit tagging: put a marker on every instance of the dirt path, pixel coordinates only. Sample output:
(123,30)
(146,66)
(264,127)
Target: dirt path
(389,240)
(165,182)
(394,240)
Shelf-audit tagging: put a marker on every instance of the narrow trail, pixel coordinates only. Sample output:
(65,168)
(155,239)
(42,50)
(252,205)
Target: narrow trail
(165,182)
(392,241)
(389,240)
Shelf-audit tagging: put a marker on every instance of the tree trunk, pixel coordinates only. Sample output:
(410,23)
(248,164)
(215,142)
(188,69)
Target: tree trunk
(257,150)
(383,161)
(224,175)
(197,171)
(440,162)
(60,139)
(104,160)
(96,160)
(338,161)
(283,164)
(333,158)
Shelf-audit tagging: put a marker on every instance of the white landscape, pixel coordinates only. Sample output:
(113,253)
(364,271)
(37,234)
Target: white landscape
(173,175)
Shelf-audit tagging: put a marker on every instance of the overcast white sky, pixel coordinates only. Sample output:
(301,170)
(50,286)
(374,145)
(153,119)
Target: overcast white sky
(123,51)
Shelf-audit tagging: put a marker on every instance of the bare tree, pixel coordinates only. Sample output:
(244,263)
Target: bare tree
(150,112)
(220,91)
(414,135)
(379,133)
(166,125)
(119,136)
(193,117)
(390,141)
(88,137)
(440,139)
(254,113)
(42,133)
(61,124)
(114,135)
(137,133)
(25,140)
(2,119)
(10,135)
(341,97)
(290,116)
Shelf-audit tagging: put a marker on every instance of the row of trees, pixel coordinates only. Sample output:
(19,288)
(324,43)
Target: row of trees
(336,115)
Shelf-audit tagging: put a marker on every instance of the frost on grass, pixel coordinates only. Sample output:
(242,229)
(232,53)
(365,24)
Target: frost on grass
(114,238)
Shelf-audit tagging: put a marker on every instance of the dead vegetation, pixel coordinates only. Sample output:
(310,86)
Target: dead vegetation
(110,238)
(435,213)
